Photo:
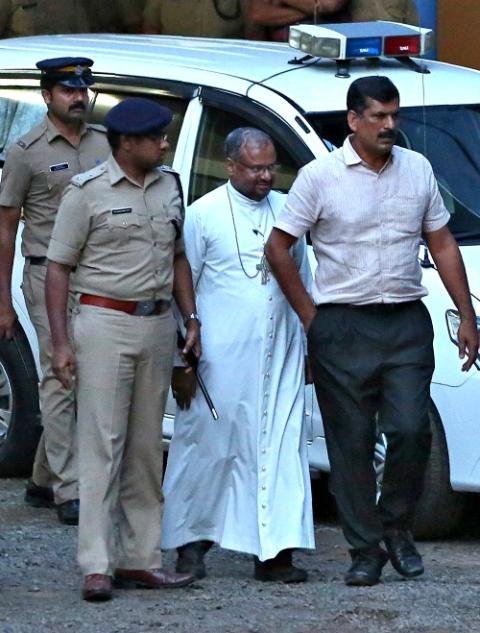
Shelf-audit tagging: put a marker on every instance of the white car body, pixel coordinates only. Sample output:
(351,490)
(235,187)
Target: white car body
(258,74)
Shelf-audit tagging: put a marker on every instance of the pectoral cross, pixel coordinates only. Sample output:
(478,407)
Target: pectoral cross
(264,268)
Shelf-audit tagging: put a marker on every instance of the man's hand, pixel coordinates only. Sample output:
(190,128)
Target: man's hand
(184,386)
(63,365)
(8,321)
(468,342)
(192,341)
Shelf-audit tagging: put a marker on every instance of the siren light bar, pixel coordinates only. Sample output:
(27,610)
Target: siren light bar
(361,39)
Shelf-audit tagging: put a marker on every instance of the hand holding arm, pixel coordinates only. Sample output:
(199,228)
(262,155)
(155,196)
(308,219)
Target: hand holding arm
(288,277)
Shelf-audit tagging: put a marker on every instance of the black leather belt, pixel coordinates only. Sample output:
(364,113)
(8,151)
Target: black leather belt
(36,261)
(134,308)
(371,307)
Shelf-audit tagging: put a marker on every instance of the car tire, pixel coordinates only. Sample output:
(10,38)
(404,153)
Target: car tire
(20,427)
(439,509)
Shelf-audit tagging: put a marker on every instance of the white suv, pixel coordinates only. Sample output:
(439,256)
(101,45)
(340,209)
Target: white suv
(214,86)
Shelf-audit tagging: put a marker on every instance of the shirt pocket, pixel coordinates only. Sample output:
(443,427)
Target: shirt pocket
(127,229)
(58,180)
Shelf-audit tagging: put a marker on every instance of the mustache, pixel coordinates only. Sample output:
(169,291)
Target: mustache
(78,105)
(391,135)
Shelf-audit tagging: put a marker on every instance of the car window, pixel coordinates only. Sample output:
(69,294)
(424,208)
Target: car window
(104,101)
(208,170)
(20,110)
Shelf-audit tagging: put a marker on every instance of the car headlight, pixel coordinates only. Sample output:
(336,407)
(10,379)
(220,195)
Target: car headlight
(453,323)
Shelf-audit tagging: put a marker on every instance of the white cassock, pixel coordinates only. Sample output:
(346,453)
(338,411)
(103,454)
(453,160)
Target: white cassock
(242,481)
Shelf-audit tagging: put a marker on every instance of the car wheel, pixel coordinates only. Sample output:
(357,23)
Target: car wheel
(19,410)
(439,509)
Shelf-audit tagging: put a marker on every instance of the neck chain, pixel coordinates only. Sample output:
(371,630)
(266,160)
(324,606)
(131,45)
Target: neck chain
(263,267)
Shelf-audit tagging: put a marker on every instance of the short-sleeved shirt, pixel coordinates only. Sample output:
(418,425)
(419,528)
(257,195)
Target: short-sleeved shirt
(365,226)
(202,18)
(37,169)
(121,236)
(42,17)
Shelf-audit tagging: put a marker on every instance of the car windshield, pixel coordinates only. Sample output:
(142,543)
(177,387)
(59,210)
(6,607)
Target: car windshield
(449,136)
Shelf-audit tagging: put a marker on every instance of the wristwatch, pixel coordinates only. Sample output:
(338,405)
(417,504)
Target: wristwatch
(191,317)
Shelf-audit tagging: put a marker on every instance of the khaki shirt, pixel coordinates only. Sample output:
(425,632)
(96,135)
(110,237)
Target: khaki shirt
(365,226)
(37,169)
(115,16)
(195,17)
(121,236)
(395,10)
(42,17)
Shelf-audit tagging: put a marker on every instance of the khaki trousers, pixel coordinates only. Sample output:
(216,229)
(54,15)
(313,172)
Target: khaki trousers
(124,366)
(56,458)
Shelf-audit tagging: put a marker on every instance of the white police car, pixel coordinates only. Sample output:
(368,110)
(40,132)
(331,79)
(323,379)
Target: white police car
(214,86)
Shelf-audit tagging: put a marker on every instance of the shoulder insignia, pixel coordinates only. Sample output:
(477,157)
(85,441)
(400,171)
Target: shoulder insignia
(30,137)
(81,179)
(168,170)
(97,127)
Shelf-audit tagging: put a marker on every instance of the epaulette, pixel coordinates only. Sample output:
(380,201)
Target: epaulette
(168,170)
(97,127)
(30,137)
(81,179)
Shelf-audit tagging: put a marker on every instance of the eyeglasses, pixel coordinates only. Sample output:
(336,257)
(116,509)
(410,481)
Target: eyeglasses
(259,169)
(156,138)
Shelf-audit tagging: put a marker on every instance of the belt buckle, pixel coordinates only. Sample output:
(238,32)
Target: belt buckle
(144,308)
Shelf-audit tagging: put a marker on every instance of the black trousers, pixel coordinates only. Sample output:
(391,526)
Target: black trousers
(372,366)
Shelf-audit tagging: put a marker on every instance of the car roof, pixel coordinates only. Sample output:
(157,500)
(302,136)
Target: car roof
(312,86)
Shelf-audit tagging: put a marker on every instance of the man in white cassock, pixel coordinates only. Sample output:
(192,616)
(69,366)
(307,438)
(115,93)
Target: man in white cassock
(242,481)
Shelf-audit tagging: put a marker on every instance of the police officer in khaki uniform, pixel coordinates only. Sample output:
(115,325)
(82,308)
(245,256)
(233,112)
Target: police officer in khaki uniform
(37,169)
(116,16)
(395,10)
(201,18)
(120,225)
(42,17)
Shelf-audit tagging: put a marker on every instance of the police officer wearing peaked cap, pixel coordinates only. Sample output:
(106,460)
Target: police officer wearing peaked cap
(120,225)
(36,171)
(73,72)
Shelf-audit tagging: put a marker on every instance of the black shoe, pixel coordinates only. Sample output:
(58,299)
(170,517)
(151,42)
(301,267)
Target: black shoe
(366,568)
(38,496)
(404,555)
(190,558)
(279,569)
(68,512)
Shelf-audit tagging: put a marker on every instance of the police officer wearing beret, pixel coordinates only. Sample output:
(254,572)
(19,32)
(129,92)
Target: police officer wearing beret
(120,225)
(37,169)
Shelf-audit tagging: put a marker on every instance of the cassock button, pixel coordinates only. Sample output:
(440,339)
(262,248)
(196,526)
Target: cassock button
(264,524)
(263,469)
(264,505)
(264,487)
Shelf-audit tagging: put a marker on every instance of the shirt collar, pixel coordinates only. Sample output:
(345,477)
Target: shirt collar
(351,157)
(52,132)
(116,174)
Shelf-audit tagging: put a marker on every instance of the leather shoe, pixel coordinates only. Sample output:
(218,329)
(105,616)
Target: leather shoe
(97,587)
(366,568)
(279,569)
(404,556)
(151,579)
(38,496)
(68,512)
(190,558)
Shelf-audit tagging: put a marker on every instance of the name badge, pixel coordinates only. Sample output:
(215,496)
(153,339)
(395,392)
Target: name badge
(123,210)
(59,167)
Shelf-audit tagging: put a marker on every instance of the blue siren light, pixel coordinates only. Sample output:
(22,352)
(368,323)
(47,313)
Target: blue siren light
(354,40)
(364,47)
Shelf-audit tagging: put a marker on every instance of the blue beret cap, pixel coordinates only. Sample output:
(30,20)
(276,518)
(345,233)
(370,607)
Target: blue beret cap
(138,117)
(73,72)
